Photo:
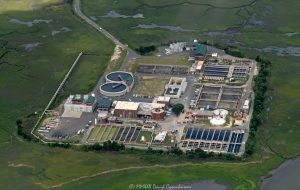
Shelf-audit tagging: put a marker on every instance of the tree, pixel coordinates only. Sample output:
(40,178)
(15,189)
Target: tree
(177,108)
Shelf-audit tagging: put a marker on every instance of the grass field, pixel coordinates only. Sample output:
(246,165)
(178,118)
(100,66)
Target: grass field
(221,172)
(29,77)
(156,84)
(147,135)
(112,133)
(180,60)
(105,133)
(101,134)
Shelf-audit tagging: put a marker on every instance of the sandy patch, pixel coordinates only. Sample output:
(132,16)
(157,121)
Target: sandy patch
(117,53)
(72,114)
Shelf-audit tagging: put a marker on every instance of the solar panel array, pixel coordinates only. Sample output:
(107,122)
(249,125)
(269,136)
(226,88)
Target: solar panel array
(213,139)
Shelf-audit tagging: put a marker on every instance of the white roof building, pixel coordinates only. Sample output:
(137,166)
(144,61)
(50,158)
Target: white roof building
(126,105)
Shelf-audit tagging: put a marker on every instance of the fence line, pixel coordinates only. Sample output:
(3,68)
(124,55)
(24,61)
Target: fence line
(53,98)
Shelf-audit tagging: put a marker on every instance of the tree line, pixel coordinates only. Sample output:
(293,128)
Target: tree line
(173,151)
(260,89)
(143,50)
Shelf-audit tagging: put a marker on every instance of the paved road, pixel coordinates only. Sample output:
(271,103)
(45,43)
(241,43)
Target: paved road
(130,53)
(76,4)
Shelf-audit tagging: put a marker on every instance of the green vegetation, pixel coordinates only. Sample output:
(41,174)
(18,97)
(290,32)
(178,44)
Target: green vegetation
(106,146)
(147,137)
(29,78)
(177,108)
(93,133)
(105,133)
(272,139)
(260,89)
(220,171)
(156,84)
(74,139)
(180,60)
(203,122)
(102,133)
(146,50)
(112,133)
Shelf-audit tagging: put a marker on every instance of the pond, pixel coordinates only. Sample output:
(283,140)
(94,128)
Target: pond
(284,177)
(172,28)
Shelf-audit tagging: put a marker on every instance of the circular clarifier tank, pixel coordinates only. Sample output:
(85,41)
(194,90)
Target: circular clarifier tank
(113,89)
(120,76)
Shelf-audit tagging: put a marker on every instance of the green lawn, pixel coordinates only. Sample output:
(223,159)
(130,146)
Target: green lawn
(147,135)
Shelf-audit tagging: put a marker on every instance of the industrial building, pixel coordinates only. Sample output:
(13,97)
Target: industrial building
(104,104)
(197,50)
(156,111)
(202,114)
(162,100)
(175,87)
(80,103)
(126,109)
(118,83)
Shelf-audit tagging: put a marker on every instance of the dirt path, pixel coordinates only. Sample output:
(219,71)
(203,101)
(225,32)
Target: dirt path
(140,167)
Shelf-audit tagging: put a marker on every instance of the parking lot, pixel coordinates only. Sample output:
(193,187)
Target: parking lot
(69,126)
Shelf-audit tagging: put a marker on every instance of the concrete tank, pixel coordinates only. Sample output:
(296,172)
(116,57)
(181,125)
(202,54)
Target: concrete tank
(113,89)
(158,114)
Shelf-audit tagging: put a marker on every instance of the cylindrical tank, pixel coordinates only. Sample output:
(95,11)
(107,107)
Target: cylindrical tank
(158,114)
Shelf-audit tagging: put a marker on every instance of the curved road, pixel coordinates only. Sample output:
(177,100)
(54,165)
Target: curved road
(130,53)
(76,4)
